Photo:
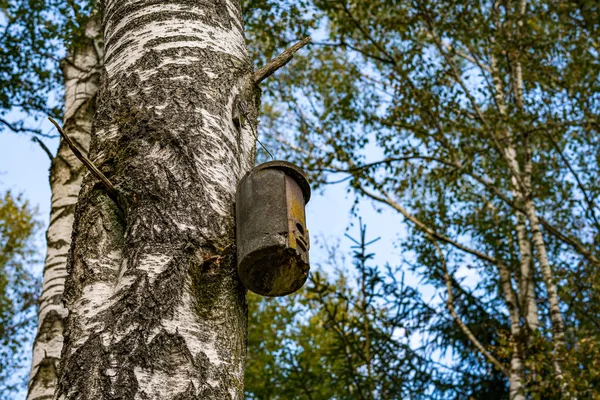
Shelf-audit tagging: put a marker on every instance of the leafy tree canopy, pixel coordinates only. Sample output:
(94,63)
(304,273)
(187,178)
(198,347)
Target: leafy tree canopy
(35,36)
(478,124)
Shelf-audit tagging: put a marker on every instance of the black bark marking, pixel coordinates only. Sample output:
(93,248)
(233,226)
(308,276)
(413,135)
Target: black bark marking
(52,321)
(100,218)
(211,269)
(85,370)
(47,373)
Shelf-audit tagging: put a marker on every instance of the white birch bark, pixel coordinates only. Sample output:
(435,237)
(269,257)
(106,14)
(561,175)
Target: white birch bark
(558,328)
(558,339)
(526,282)
(542,257)
(66,173)
(156,310)
(515,378)
(523,195)
(528,303)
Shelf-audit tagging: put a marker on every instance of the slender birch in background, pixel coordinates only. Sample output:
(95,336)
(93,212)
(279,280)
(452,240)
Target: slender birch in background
(155,306)
(81,76)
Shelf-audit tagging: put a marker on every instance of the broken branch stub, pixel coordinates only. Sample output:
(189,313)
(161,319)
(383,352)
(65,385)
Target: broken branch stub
(272,239)
(272,66)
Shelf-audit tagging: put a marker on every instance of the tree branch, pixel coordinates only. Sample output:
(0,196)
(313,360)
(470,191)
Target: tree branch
(43,146)
(366,33)
(454,50)
(423,227)
(459,322)
(269,69)
(591,206)
(86,161)
(578,246)
(504,152)
(18,128)
(358,50)
(388,160)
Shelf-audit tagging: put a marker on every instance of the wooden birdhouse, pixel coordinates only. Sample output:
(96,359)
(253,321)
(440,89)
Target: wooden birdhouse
(272,239)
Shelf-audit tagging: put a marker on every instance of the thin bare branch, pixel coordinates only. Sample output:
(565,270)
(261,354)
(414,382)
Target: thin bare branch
(354,48)
(389,160)
(590,202)
(385,199)
(18,128)
(473,60)
(43,146)
(366,33)
(576,244)
(459,322)
(86,161)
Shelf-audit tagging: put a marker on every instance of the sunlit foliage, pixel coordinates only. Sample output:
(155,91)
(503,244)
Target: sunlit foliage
(18,288)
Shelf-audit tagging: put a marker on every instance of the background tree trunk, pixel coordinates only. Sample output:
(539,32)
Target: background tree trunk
(81,76)
(155,306)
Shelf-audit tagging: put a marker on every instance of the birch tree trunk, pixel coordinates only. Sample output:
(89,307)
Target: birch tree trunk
(526,280)
(81,76)
(156,310)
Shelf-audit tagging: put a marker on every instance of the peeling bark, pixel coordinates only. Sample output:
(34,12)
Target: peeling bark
(156,310)
(66,173)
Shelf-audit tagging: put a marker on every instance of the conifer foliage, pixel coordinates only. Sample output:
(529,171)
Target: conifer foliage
(347,335)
